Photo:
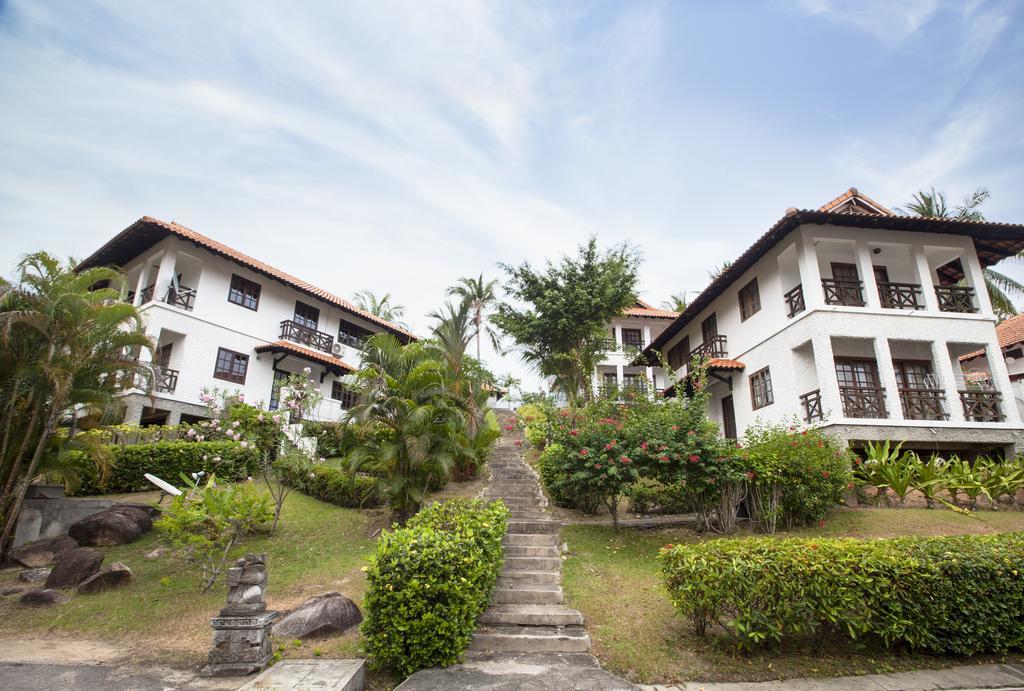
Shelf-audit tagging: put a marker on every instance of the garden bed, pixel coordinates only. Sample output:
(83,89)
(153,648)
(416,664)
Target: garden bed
(613,577)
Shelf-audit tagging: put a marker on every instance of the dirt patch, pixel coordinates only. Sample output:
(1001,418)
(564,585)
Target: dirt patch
(59,650)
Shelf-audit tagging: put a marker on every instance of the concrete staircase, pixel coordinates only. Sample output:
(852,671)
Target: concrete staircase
(526,612)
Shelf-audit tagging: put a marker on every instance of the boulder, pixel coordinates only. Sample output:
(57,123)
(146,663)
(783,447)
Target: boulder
(34,575)
(33,555)
(152,511)
(117,525)
(43,598)
(113,576)
(15,589)
(74,567)
(323,615)
(157,553)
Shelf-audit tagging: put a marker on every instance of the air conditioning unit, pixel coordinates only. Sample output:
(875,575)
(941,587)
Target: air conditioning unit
(337,349)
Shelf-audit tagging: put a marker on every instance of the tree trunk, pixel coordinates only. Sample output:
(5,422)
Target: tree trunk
(16,465)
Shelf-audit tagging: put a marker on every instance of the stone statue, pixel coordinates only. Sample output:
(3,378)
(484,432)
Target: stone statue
(247,582)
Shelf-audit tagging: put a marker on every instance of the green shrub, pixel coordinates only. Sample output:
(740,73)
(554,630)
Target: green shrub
(536,422)
(961,594)
(652,497)
(228,460)
(429,581)
(329,436)
(323,482)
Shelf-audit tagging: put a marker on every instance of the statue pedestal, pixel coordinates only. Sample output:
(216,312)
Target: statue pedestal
(241,645)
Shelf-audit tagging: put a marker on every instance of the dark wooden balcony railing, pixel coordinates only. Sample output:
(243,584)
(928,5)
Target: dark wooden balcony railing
(900,296)
(165,379)
(923,404)
(352,341)
(843,292)
(713,347)
(863,401)
(811,402)
(183,297)
(795,301)
(981,406)
(147,294)
(306,336)
(955,298)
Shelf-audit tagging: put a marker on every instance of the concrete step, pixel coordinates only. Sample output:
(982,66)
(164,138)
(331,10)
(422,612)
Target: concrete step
(549,551)
(522,594)
(532,539)
(521,501)
(531,615)
(515,578)
(530,639)
(532,527)
(532,563)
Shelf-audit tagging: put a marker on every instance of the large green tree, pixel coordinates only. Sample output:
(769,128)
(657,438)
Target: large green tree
(558,315)
(67,341)
(932,204)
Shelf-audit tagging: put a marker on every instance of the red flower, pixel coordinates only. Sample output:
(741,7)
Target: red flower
(626,459)
(691,433)
(597,465)
(675,428)
(821,523)
(694,458)
(662,458)
(564,413)
(804,433)
(574,432)
(643,445)
(668,546)
(849,485)
(584,452)
(608,447)
(749,474)
(510,427)
(824,474)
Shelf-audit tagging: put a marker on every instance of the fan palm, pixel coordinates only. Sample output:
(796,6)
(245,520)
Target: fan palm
(933,204)
(481,295)
(676,302)
(382,307)
(67,347)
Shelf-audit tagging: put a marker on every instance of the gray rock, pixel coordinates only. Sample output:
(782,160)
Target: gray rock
(157,553)
(74,567)
(42,552)
(9,590)
(152,511)
(43,598)
(323,615)
(113,576)
(117,525)
(34,575)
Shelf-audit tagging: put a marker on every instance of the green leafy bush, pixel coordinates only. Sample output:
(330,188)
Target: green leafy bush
(960,594)
(326,483)
(429,581)
(329,437)
(228,460)
(536,421)
(653,497)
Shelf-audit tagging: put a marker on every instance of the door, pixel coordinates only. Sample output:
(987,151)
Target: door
(163,356)
(845,288)
(844,272)
(709,328)
(885,294)
(728,418)
(275,389)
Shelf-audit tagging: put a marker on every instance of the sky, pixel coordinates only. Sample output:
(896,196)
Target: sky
(396,146)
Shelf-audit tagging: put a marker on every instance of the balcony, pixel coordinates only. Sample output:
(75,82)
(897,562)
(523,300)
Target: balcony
(351,341)
(923,404)
(608,345)
(956,299)
(795,301)
(813,411)
(900,296)
(165,379)
(863,402)
(183,297)
(303,335)
(714,347)
(843,292)
(981,406)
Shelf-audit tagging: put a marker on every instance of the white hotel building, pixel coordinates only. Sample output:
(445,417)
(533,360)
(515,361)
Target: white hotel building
(629,334)
(220,318)
(856,319)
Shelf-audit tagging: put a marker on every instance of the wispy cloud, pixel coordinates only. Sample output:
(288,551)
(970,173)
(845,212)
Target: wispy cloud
(887,20)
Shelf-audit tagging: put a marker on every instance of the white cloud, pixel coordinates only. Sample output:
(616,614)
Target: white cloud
(888,20)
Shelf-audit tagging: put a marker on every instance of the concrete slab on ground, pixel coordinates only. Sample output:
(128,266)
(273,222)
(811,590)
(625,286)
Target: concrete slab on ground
(519,672)
(45,676)
(294,675)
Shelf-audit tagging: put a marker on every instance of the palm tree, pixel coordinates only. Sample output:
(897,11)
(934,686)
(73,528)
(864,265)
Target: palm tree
(933,204)
(67,350)
(676,302)
(481,295)
(407,421)
(719,270)
(382,307)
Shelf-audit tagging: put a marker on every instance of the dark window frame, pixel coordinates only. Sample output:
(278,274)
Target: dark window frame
(762,393)
(638,343)
(243,293)
(227,372)
(750,300)
(302,318)
(709,327)
(345,396)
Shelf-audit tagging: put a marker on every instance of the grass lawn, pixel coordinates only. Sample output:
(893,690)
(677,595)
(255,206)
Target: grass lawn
(612,577)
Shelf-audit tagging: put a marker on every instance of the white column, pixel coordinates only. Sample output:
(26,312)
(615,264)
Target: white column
(828,383)
(867,275)
(647,335)
(141,284)
(924,277)
(618,375)
(649,373)
(618,336)
(1001,380)
(972,267)
(943,367)
(165,272)
(810,275)
(887,378)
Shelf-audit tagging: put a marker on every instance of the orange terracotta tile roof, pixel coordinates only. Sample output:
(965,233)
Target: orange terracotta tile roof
(852,201)
(118,249)
(306,354)
(724,363)
(643,309)
(1010,332)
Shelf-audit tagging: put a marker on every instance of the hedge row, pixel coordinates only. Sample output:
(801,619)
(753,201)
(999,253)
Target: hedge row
(959,594)
(430,581)
(327,483)
(167,460)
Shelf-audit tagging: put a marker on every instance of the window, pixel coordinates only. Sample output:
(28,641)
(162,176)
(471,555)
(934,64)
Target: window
(632,338)
(857,374)
(611,379)
(353,334)
(709,328)
(275,389)
(231,366)
(914,374)
(340,392)
(761,393)
(244,292)
(750,300)
(679,353)
(306,315)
